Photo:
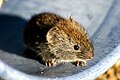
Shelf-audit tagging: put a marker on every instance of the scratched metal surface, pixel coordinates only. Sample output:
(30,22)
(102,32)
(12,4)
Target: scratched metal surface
(101,18)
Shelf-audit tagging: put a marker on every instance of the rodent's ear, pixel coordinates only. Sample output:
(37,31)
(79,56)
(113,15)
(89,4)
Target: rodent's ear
(52,35)
(71,19)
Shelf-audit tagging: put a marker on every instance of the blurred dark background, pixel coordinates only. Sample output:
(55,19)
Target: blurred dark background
(11,32)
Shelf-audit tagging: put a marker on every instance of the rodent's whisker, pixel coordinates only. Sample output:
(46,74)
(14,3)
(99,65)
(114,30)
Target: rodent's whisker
(42,70)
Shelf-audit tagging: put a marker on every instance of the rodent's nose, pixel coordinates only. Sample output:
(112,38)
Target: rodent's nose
(89,55)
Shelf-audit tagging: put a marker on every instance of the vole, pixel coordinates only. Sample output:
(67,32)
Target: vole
(58,40)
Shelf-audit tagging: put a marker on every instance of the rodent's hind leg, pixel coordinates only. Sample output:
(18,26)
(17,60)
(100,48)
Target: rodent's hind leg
(79,63)
(47,60)
(28,53)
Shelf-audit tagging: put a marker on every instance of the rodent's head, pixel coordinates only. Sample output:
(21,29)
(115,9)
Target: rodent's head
(68,41)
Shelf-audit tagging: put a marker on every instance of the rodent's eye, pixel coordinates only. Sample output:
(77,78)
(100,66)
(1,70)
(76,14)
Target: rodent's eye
(76,47)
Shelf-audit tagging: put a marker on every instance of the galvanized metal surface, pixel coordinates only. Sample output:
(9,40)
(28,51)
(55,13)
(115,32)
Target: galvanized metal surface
(101,18)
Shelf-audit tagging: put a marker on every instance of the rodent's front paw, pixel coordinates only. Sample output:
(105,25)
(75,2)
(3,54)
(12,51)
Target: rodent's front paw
(51,63)
(79,63)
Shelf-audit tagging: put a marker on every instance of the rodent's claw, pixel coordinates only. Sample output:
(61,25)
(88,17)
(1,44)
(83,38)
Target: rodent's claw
(51,63)
(80,63)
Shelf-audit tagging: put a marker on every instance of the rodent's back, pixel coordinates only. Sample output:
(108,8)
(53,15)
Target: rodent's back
(37,28)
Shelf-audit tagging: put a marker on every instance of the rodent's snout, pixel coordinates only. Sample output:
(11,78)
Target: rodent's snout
(89,55)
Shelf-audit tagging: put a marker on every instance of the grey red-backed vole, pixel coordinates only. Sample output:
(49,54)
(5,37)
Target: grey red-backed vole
(56,40)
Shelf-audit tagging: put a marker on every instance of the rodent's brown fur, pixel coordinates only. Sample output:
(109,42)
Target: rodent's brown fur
(54,37)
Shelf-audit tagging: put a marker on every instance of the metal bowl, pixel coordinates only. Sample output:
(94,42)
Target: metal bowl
(100,18)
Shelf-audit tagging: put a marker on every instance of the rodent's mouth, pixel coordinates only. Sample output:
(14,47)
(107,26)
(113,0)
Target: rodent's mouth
(89,59)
